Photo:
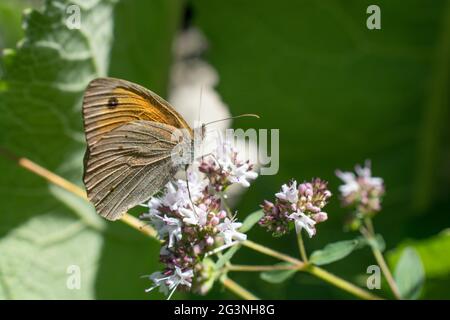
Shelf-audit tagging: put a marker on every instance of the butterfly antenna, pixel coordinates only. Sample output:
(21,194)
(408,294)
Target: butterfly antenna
(245,115)
(202,132)
(200,104)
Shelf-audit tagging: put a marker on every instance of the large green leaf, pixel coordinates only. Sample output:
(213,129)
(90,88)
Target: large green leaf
(43,229)
(432,252)
(409,274)
(10,31)
(44,78)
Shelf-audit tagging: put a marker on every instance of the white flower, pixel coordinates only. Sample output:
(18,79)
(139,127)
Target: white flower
(350,184)
(288,192)
(175,196)
(366,173)
(172,228)
(362,179)
(170,283)
(228,231)
(237,170)
(241,174)
(197,183)
(165,226)
(158,279)
(196,216)
(223,151)
(302,221)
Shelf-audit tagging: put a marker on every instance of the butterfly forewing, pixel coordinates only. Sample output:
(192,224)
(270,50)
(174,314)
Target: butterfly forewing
(129,144)
(128,165)
(109,103)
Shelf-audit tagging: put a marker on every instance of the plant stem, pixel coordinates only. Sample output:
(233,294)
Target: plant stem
(235,267)
(316,271)
(341,283)
(51,177)
(387,273)
(301,247)
(237,289)
(267,251)
(74,189)
(369,234)
(139,225)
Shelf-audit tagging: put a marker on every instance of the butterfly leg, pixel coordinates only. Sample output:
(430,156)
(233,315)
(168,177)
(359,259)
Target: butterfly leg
(189,190)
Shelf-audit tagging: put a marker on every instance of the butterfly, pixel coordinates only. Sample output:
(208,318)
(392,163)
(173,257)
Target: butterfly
(130,144)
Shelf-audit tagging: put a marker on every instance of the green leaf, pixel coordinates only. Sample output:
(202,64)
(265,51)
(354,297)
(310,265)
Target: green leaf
(10,18)
(42,235)
(333,252)
(377,242)
(227,256)
(435,263)
(277,276)
(251,220)
(44,230)
(409,274)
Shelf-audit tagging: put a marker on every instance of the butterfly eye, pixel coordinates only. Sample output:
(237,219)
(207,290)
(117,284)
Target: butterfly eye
(112,102)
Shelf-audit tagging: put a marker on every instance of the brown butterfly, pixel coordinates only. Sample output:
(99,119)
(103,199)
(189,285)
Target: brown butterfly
(129,132)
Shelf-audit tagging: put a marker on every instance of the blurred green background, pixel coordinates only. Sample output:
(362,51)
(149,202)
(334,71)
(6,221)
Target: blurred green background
(338,92)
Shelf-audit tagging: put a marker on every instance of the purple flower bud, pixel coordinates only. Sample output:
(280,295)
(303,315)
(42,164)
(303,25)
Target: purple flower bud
(197,249)
(215,221)
(320,217)
(210,241)
(222,214)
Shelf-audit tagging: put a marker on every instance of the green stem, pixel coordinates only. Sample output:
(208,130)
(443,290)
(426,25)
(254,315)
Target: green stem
(369,234)
(387,273)
(301,247)
(341,283)
(267,251)
(246,268)
(238,290)
(316,271)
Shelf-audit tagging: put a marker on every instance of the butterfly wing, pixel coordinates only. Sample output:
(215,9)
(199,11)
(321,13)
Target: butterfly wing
(128,165)
(109,103)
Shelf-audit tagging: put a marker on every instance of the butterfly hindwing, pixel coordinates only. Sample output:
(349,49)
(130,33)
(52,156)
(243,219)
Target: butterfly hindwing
(128,165)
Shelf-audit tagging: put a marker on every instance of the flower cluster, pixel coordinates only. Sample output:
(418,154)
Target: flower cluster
(300,204)
(225,168)
(361,190)
(190,220)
